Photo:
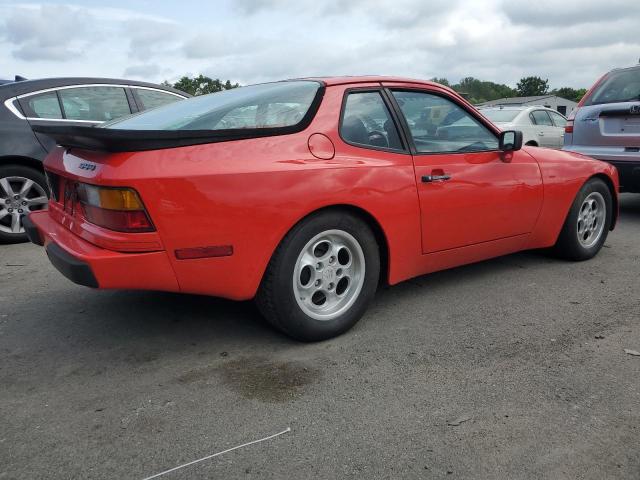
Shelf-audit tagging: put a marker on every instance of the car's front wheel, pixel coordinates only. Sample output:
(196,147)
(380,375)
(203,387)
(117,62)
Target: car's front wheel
(22,190)
(322,277)
(587,225)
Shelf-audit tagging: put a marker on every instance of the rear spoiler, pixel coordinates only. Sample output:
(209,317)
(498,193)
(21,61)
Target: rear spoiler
(116,140)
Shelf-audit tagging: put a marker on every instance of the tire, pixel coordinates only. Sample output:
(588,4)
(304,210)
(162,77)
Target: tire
(322,277)
(587,225)
(531,143)
(35,197)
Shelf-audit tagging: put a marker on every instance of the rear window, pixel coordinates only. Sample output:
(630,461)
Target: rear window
(269,105)
(618,86)
(500,115)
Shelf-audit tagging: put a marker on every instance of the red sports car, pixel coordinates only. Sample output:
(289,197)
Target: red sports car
(306,194)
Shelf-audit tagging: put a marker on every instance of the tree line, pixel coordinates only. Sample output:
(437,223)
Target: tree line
(201,85)
(476,91)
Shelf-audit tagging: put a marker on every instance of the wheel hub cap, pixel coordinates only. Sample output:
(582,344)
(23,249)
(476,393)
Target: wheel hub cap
(18,197)
(329,274)
(591,219)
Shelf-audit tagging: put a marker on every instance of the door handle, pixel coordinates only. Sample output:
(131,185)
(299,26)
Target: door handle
(541,134)
(435,178)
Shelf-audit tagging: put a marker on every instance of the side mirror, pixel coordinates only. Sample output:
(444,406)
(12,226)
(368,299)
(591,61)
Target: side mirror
(510,140)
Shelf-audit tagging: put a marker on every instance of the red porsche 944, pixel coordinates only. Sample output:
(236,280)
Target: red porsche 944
(307,194)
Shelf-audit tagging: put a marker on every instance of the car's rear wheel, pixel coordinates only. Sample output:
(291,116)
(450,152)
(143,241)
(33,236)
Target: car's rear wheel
(22,190)
(322,277)
(586,228)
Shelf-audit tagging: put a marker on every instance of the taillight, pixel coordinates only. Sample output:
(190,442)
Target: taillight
(118,209)
(568,128)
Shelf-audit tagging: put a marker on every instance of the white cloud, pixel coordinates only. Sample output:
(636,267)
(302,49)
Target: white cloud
(571,42)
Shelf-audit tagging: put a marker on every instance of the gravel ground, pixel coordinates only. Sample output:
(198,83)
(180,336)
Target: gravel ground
(512,368)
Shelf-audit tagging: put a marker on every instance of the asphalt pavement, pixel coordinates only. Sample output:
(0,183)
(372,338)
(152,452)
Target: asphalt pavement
(514,368)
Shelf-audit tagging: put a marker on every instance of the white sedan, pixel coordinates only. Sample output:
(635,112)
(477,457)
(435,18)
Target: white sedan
(540,126)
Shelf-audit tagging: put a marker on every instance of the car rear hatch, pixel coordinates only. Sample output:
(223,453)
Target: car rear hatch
(610,115)
(614,124)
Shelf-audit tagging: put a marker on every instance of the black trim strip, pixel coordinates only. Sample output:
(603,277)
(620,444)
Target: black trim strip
(33,234)
(116,140)
(620,112)
(75,270)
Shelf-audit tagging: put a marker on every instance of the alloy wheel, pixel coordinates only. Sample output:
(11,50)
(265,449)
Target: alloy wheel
(329,274)
(18,197)
(591,219)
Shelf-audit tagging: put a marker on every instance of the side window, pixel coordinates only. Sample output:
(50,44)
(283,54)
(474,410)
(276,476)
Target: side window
(97,104)
(438,125)
(558,120)
(43,105)
(153,98)
(540,117)
(366,121)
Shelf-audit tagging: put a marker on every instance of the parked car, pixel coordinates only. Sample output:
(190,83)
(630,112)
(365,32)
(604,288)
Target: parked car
(541,126)
(55,101)
(329,187)
(606,124)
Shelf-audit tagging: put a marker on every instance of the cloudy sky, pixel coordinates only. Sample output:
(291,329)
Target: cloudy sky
(570,42)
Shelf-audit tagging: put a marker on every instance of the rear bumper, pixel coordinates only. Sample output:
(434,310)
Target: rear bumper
(75,270)
(92,266)
(629,173)
(626,162)
(32,231)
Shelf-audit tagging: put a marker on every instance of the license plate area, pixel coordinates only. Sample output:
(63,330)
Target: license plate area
(620,125)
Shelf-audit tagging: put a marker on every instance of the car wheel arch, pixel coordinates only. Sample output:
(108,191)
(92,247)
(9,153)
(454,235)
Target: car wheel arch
(22,161)
(609,183)
(363,214)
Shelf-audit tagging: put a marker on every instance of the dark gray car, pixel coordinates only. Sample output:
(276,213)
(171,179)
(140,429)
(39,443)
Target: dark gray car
(55,101)
(606,125)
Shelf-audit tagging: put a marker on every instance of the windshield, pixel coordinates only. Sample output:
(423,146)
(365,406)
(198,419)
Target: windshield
(269,105)
(500,116)
(618,86)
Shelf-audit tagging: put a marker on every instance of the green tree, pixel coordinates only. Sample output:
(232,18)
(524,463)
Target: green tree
(478,91)
(532,86)
(441,81)
(570,93)
(201,85)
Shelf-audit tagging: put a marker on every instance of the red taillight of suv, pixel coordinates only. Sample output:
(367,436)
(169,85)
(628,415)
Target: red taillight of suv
(568,128)
(118,209)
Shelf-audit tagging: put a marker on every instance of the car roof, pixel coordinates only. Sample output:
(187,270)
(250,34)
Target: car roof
(497,107)
(521,108)
(13,89)
(345,80)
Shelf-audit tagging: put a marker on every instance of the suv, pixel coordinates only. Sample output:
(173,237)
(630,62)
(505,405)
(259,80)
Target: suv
(540,126)
(55,101)
(606,124)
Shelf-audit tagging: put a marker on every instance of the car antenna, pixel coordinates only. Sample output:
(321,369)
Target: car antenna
(19,78)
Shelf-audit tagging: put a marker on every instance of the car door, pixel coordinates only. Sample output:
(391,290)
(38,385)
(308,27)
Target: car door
(469,191)
(74,105)
(559,122)
(544,128)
